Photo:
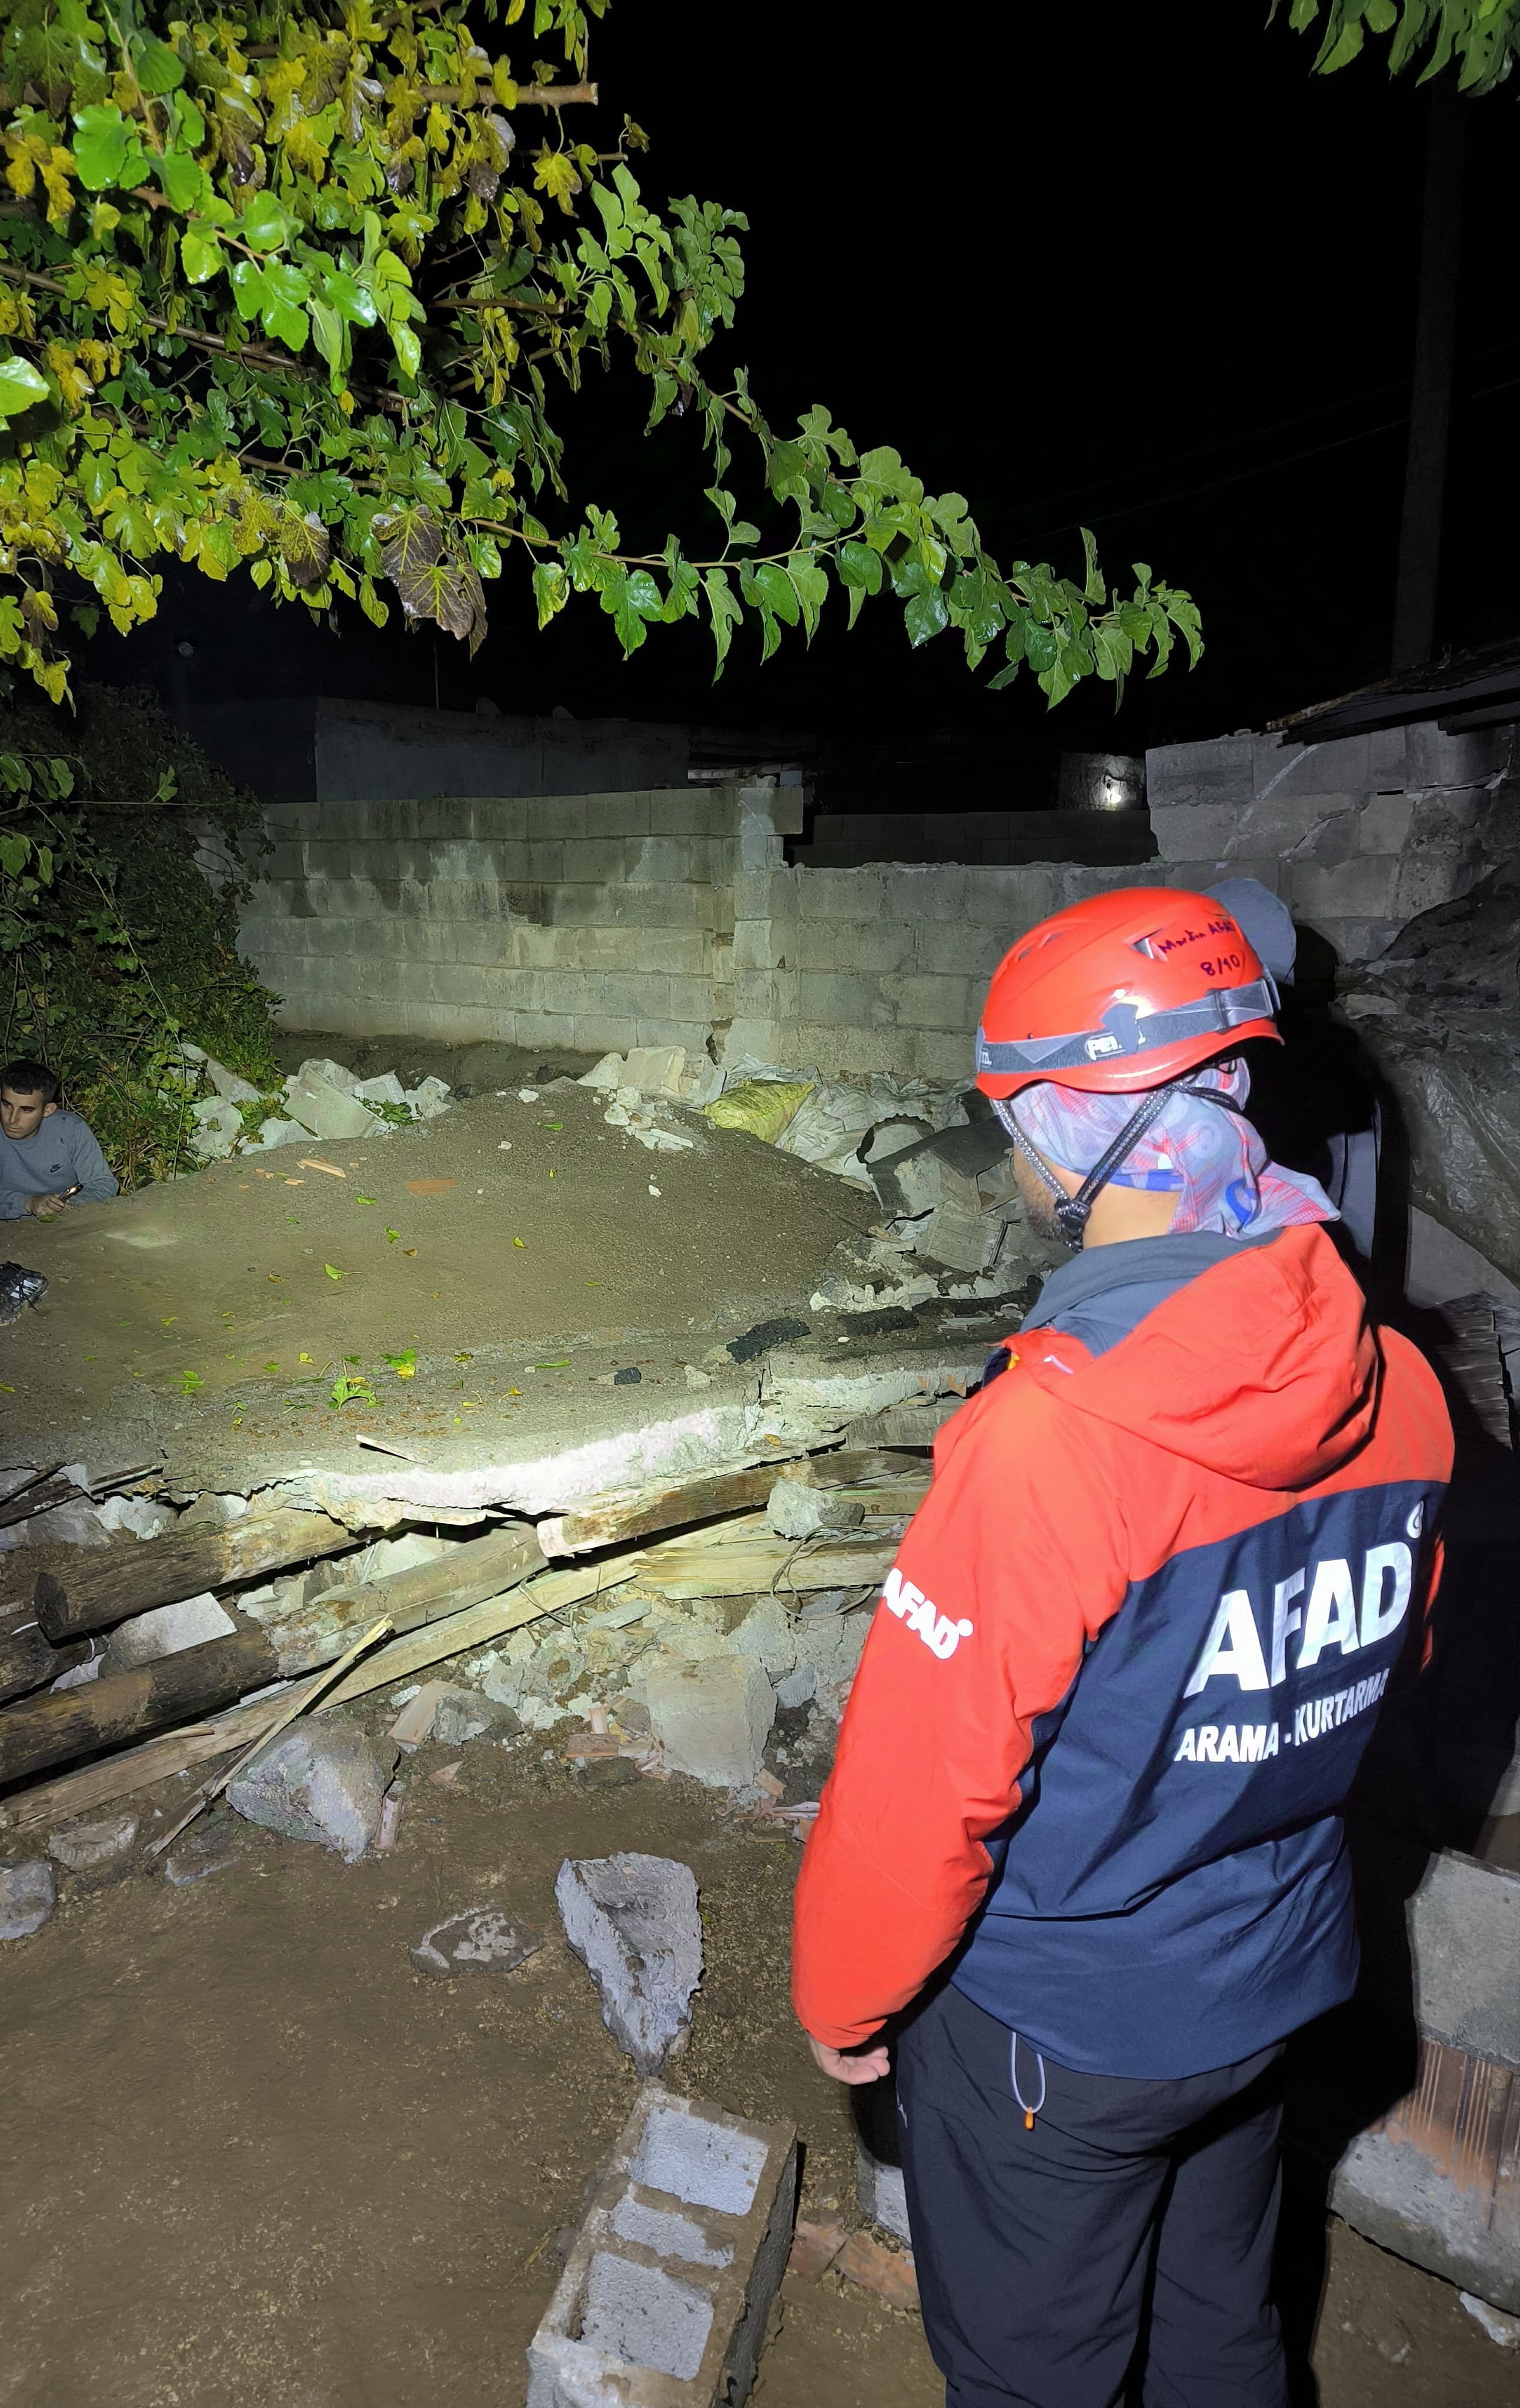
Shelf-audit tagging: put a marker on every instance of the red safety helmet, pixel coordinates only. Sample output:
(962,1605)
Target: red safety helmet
(1123,991)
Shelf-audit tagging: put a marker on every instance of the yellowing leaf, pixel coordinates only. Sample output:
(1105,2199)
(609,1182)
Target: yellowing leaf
(330,1273)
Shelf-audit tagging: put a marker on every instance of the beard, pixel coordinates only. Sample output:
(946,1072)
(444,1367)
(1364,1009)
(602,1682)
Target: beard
(1040,1211)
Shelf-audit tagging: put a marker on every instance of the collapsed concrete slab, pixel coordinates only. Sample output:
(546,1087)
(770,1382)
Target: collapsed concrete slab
(666,2292)
(633,1921)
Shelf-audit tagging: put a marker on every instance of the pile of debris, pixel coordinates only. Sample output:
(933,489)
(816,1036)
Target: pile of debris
(682,1620)
(322,1100)
(934,1157)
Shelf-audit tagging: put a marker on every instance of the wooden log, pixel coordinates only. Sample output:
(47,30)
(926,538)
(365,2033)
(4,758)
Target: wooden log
(36,1732)
(138,1767)
(700,1499)
(29,1660)
(104,1586)
(199,1679)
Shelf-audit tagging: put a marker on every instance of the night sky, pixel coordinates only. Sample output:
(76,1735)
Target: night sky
(1132,266)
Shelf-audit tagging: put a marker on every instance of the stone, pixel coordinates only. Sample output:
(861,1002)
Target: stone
(797,1511)
(212,1842)
(608,1772)
(668,2285)
(712,1717)
(1503,2331)
(73,1525)
(217,1508)
(478,1940)
(229,1084)
(881,2192)
(1464,1935)
(633,1921)
(321,1785)
(144,1516)
(28,1894)
(327,1112)
(81,1845)
(386,1089)
(462,1715)
(166,1630)
(766,1633)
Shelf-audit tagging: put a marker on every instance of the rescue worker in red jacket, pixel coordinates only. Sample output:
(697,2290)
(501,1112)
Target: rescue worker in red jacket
(1080,1868)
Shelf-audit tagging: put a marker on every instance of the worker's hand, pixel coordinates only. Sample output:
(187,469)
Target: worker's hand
(852,2065)
(44,1208)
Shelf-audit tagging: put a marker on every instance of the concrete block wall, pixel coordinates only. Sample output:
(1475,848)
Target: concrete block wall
(670,916)
(590,921)
(1357,834)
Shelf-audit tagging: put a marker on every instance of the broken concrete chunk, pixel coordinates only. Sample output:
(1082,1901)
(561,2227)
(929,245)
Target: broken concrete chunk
(386,1089)
(166,1630)
(633,1921)
(277,1131)
(323,1072)
(430,1098)
(668,2285)
(66,1525)
(326,1785)
(797,1688)
(612,1072)
(28,1894)
(712,1717)
(81,1845)
(327,1112)
(229,1084)
(479,1939)
(795,1511)
(655,1069)
(144,1516)
(218,1127)
(462,1714)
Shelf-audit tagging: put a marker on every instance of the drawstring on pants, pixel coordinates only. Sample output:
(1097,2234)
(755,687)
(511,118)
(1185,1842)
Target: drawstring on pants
(1029,2113)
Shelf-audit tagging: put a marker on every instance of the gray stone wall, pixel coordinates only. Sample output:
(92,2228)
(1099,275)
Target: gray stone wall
(1356,836)
(671,914)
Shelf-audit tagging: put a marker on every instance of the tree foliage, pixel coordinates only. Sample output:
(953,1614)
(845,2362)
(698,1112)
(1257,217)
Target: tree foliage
(1482,36)
(286,290)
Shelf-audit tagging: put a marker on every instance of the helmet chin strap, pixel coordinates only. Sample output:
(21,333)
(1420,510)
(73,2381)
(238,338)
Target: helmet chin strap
(1072,1213)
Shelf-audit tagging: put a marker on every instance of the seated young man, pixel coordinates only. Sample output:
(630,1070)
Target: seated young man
(48,1159)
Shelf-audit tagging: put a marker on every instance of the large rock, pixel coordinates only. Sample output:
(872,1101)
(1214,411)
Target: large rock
(462,1714)
(712,1717)
(797,1510)
(633,1921)
(28,1894)
(327,1112)
(321,1785)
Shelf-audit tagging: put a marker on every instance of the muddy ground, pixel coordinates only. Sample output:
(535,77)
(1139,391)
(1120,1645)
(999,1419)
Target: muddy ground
(256,2161)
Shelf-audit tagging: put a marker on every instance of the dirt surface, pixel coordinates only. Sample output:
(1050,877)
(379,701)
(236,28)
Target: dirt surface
(481,1243)
(256,2161)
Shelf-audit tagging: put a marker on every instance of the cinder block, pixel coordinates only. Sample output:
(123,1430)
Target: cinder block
(1360,888)
(1437,759)
(558,815)
(932,1002)
(502,819)
(666,2292)
(1324,827)
(617,815)
(599,860)
(546,861)
(1196,831)
(1220,768)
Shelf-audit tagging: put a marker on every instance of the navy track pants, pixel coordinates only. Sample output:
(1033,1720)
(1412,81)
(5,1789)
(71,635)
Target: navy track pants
(1126,2240)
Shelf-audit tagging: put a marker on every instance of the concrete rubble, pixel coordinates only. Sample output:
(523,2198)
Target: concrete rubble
(80,1847)
(712,1717)
(668,2286)
(320,1783)
(28,1894)
(478,1940)
(323,1100)
(632,1920)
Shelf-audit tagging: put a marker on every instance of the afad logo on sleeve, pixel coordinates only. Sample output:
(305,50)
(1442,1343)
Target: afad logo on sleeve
(940,1635)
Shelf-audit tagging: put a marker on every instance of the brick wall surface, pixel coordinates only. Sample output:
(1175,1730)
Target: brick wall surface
(672,916)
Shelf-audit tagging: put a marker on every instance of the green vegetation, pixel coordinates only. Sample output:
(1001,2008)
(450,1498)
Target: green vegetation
(285,290)
(114,947)
(1482,36)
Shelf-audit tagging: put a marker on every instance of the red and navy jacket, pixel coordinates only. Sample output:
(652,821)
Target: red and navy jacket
(1123,1672)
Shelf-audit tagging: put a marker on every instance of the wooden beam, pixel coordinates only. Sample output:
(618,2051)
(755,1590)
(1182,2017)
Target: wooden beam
(109,1583)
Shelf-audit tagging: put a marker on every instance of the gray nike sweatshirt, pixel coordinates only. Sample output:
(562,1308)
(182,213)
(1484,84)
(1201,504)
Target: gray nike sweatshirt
(61,1154)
